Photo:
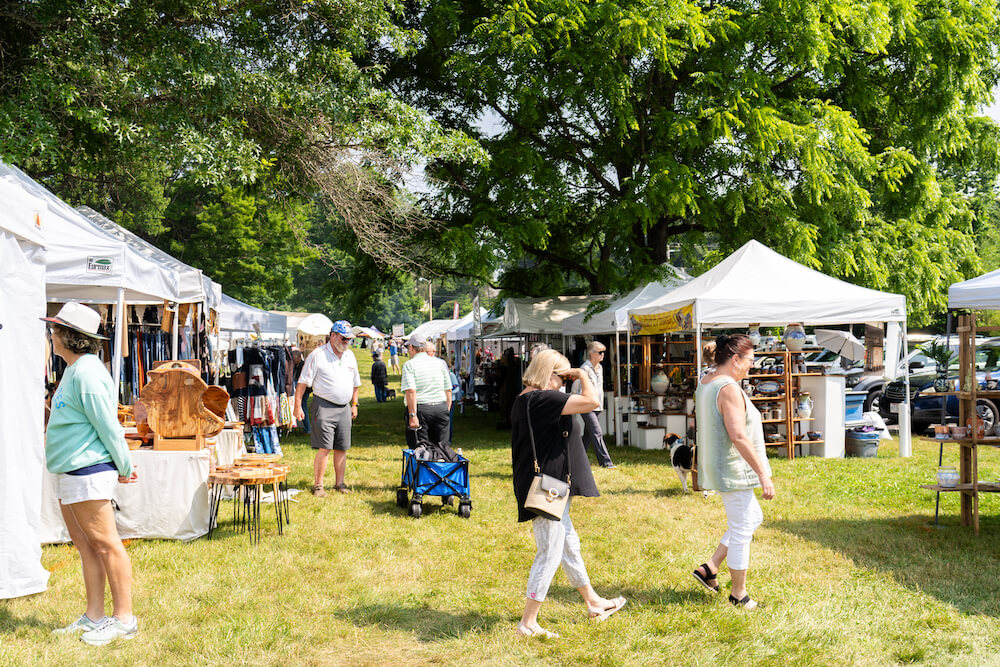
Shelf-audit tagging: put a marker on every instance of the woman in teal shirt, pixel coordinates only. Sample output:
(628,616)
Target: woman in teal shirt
(85,448)
(731,460)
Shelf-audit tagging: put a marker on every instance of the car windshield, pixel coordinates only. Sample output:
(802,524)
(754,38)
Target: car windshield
(988,357)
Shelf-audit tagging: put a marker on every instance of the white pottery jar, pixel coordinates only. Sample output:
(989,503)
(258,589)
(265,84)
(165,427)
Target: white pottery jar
(659,383)
(754,335)
(795,337)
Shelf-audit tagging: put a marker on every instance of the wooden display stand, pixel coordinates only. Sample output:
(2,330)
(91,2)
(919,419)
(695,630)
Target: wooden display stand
(969,486)
(161,443)
(181,409)
(789,382)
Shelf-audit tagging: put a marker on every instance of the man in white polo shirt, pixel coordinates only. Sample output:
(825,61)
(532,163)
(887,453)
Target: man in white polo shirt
(427,388)
(332,372)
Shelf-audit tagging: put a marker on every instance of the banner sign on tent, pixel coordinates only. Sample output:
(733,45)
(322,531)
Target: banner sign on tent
(100,265)
(397,330)
(681,319)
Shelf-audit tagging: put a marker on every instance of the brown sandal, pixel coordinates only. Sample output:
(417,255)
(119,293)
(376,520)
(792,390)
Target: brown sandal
(318,491)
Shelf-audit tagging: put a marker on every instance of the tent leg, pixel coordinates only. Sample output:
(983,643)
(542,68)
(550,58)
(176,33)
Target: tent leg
(173,347)
(116,362)
(619,439)
(905,438)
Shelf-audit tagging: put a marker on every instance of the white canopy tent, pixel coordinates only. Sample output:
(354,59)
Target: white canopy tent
(756,285)
(84,262)
(614,319)
(193,286)
(309,324)
(239,317)
(462,329)
(368,332)
(542,316)
(433,328)
(23,217)
(979,293)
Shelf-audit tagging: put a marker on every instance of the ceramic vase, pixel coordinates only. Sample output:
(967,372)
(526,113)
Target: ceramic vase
(795,337)
(803,406)
(754,334)
(659,383)
(942,383)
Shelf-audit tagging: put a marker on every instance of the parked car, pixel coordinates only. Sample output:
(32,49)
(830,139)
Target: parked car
(926,404)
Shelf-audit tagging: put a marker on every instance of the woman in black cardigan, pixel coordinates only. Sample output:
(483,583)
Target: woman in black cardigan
(559,446)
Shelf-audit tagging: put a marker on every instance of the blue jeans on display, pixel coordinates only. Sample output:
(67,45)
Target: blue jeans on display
(380,393)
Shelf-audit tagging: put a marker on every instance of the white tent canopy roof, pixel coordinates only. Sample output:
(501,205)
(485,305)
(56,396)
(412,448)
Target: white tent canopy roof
(756,285)
(433,328)
(191,285)
(615,317)
(368,332)
(540,315)
(234,315)
(462,329)
(85,263)
(309,324)
(981,292)
(22,213)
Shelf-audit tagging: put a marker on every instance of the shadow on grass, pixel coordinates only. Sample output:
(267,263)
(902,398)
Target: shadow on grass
(658,596)
(9,623)
(430,505)
(949,562)
(426,625)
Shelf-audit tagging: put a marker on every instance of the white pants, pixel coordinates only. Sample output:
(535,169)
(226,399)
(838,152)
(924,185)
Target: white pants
(557,542)
(743,516)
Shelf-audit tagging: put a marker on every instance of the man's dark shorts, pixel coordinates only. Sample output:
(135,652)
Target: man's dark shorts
(330,425)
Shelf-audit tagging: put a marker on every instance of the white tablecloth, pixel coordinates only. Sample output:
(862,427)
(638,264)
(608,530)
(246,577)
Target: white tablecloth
(169,500)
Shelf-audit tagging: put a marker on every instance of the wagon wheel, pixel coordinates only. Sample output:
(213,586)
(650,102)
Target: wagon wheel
(464,510)
(402,498)
(446,500)
(416,510)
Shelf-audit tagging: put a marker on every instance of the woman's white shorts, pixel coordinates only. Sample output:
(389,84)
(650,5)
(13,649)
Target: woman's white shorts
(80,488)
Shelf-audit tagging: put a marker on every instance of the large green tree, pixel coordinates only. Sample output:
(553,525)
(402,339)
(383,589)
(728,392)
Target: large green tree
(834,131)
(225,107)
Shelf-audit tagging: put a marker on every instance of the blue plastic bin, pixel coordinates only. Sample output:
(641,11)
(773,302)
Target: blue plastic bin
(863,445)
(855,406)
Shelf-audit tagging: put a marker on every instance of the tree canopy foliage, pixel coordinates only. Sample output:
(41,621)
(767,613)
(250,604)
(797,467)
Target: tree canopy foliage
(842,133)
(219,129)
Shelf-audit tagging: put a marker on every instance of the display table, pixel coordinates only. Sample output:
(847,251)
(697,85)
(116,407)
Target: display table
(168,501)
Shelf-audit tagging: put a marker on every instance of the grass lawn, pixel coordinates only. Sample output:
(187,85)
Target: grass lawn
(847,565)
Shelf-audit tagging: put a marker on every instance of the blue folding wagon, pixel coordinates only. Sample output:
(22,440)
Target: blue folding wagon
(433,478)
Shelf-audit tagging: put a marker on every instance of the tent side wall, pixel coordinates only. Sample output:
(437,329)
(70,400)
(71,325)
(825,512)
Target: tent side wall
(22,397)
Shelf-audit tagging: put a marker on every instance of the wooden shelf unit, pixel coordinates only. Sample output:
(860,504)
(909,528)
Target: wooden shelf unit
(785,399)
(969,486)
(662,352)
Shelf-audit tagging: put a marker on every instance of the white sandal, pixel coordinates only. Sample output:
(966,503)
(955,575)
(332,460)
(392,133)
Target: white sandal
(524,631)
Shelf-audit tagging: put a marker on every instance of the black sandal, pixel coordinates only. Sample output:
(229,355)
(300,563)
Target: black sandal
(746,602)
(711,581)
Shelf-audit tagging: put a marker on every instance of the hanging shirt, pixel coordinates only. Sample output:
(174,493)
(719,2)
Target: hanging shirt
(331,377)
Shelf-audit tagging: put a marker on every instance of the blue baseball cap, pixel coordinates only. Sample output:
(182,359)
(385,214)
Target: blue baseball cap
(342,327)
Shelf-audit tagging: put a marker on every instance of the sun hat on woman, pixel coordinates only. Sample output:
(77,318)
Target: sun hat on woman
(78,317)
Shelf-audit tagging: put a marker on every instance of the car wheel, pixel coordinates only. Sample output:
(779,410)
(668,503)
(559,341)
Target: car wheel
(872,400)
(987,409)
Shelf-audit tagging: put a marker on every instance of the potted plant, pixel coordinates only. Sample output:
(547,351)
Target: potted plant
(941,355)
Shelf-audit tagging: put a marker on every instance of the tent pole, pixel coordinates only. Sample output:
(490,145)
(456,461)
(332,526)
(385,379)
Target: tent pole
(619,441)
(905,440)
(173,347)
(116,363)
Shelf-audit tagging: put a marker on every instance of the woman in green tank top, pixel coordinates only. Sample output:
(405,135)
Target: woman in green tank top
(731,460)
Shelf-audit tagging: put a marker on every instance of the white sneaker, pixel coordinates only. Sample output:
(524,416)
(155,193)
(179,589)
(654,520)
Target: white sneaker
(110,629)
(82,624)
